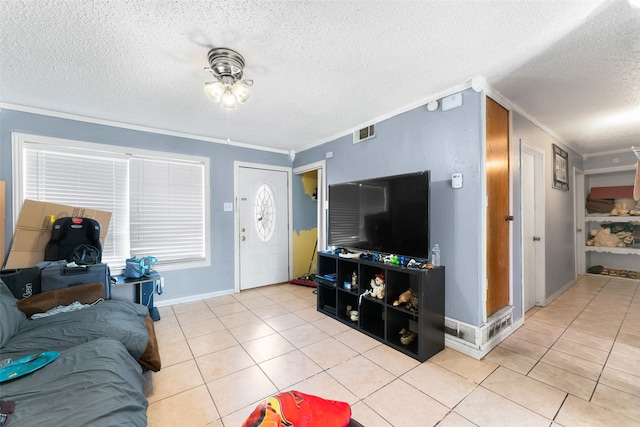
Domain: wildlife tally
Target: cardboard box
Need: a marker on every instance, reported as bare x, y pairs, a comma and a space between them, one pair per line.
33, 230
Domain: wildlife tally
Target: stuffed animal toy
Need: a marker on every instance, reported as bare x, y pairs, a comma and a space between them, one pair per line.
377, 286
406, 298
604, 238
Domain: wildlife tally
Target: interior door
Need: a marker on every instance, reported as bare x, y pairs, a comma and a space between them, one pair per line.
579, 218
263, 226
498, 215
532, 191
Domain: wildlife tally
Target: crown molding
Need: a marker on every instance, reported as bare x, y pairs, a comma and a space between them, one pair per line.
93, 120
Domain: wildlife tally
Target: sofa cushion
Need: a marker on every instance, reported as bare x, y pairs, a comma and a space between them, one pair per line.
124, 321
92, 384
118, 320
89, 293
10, 316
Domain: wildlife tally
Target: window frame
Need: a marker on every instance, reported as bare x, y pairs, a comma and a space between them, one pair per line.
20, 139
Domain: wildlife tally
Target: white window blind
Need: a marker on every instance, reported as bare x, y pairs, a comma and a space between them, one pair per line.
167, 209
158, 202
82, 178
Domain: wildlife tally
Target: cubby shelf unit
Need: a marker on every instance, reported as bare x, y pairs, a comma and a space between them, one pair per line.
379, 318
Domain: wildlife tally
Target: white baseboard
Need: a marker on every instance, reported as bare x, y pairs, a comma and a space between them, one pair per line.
191, 298
559, 292
482, 344
478, 349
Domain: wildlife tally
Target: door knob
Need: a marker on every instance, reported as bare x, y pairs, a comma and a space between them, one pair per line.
508, 217
579, 230
536, 239
242, 229
243, 238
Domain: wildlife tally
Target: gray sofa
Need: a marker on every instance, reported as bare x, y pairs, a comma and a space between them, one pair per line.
96, 380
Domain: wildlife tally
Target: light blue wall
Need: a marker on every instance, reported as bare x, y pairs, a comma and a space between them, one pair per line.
559, 224
612, 160
444, 143
178, 284
305, 209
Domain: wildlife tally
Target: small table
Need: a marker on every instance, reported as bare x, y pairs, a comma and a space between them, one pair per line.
145, 287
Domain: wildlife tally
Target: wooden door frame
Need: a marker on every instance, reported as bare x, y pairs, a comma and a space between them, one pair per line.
236, 215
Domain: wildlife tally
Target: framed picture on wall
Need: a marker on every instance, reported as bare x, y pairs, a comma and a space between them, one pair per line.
560, 169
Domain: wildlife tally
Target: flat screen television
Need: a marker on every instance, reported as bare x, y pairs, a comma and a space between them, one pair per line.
386, 215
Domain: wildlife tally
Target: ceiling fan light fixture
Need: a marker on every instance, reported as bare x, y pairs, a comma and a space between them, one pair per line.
241, 92
228, 101
214, 90
227, 67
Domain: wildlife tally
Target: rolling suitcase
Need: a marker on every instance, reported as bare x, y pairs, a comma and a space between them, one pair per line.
58, 275
22, 282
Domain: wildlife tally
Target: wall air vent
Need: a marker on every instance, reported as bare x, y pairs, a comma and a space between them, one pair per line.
497, 323
460, 330
364, 134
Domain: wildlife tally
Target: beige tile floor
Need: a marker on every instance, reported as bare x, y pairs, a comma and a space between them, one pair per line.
574, 362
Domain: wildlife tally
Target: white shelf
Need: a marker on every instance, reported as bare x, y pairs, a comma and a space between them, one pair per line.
622, 251
611, 169
608, 218
625, 258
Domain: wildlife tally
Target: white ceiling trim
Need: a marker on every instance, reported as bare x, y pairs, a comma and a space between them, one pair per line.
422, 102
93, 120
605, 153
497, 96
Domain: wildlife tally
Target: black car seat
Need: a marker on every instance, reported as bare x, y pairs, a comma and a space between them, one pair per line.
75, 239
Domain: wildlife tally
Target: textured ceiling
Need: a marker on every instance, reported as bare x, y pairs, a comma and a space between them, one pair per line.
324, 68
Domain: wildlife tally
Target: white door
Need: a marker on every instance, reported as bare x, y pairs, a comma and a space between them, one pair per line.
263, 227
532, 227
579, 215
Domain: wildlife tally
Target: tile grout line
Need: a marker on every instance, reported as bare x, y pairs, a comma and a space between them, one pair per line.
627, 311
590, 304
547, 351
557, 339
193, 357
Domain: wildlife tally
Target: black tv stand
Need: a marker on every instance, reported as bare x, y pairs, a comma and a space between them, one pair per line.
379, 318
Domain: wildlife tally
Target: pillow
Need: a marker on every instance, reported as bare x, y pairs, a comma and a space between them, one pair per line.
10, 316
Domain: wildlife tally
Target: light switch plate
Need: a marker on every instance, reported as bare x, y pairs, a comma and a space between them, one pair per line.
228, 207
456, 180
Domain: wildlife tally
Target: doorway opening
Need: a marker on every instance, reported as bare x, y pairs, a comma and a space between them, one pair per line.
308, 222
